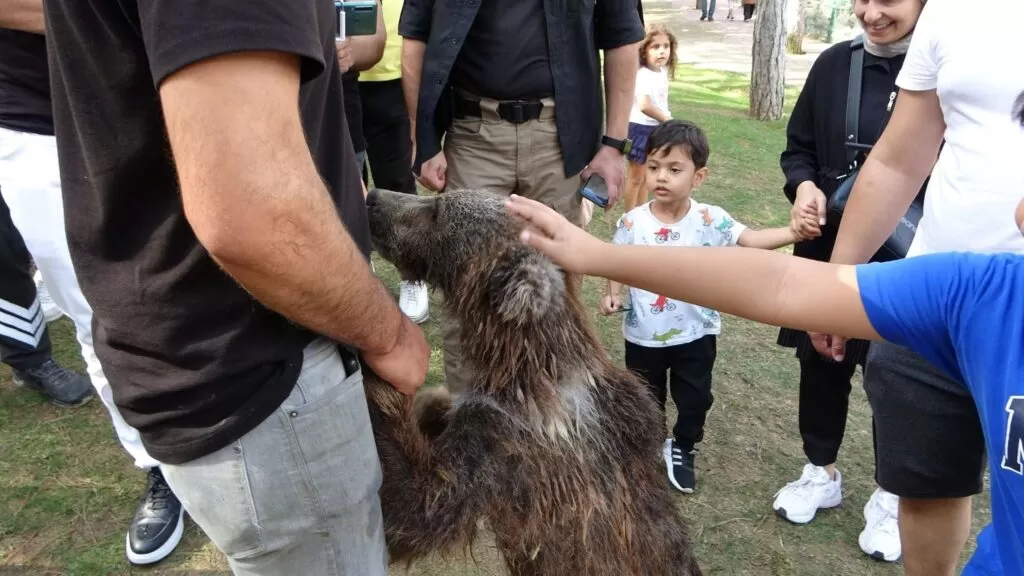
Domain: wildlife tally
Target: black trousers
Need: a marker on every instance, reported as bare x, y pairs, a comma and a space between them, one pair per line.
24, 340
685, 370
748, 11
388, 139
824, 401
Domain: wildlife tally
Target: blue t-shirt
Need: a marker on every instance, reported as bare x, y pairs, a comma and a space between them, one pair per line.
965, 314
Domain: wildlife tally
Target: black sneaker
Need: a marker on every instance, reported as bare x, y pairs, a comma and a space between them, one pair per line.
62, 386
158, 524
679, 464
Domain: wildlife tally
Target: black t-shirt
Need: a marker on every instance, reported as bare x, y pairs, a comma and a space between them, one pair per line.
193, 360
505, 55
353, 109
24, 83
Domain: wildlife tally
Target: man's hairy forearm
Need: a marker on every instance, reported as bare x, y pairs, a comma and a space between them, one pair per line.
412, 70
620, 66
761, 285
24, 15
297, 259
254, 198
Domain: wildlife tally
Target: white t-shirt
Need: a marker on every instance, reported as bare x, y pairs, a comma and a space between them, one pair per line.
655, 85
654, 320
973, 59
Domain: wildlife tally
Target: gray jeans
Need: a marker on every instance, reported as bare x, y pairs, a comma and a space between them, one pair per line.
298, 494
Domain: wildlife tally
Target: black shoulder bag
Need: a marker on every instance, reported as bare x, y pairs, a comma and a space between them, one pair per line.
896, 246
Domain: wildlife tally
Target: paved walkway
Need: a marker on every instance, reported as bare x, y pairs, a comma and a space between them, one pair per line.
722, 44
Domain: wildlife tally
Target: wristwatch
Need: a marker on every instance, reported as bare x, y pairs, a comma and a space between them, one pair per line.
624, 145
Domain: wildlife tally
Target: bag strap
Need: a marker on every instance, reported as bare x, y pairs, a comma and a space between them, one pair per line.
853, 98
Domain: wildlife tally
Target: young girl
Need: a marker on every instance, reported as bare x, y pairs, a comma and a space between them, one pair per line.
650, 105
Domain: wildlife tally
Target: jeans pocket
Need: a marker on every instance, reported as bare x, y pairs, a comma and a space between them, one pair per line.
321, 380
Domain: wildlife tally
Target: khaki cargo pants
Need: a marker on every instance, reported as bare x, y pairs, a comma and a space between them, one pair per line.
526, 159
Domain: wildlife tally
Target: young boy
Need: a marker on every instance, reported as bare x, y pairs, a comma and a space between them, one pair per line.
674, 337
964, 312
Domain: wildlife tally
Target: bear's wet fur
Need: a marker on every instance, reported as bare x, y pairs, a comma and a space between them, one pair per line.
555, 448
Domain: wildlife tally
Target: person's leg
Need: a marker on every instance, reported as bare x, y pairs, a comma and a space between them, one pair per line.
703, 9
540, 167
690, 376
711, 9
297, 494
386, 128
652, 368
24, 337
824, 400
30, 184
389, 156
929, 451
933, 533
636, 192
481, 156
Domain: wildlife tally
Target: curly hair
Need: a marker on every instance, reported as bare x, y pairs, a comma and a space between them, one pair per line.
652, 32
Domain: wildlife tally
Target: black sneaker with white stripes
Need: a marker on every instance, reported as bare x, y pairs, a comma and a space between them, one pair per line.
679, 464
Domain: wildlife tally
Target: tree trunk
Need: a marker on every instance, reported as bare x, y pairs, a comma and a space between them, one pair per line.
768, 73
795, 41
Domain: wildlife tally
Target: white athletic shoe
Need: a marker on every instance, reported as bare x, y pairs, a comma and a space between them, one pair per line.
799, 501
414, 301
50, 310
881, 536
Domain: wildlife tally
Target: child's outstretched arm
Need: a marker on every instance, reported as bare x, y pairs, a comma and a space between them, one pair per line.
772, 238
765, 286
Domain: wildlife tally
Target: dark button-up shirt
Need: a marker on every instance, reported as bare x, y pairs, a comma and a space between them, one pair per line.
576, 30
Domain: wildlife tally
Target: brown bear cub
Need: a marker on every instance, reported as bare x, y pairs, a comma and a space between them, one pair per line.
556, 448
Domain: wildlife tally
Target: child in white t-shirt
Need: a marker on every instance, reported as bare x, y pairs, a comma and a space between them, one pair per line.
650, 105
668, 336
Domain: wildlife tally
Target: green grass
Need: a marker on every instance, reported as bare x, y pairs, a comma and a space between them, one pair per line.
67, 490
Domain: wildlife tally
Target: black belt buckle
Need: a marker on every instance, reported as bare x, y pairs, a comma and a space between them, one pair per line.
519, 112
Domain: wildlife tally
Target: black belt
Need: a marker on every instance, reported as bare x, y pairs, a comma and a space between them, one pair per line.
516, 112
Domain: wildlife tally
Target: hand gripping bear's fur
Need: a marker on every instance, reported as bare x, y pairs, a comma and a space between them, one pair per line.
553, 446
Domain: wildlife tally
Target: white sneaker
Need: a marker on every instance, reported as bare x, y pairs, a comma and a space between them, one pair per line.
799, 501
414, 301
881, 536
50, 310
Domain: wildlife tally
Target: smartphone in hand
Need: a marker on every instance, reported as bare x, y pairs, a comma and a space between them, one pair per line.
595, 189
355, 18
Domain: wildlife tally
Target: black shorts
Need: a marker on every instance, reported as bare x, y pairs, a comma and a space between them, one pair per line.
928, 437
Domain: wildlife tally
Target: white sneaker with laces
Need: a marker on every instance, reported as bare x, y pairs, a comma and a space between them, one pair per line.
50, 310
881, 536
414, 301
799, 501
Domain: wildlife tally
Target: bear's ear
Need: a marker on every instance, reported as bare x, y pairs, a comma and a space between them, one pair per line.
526, 287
